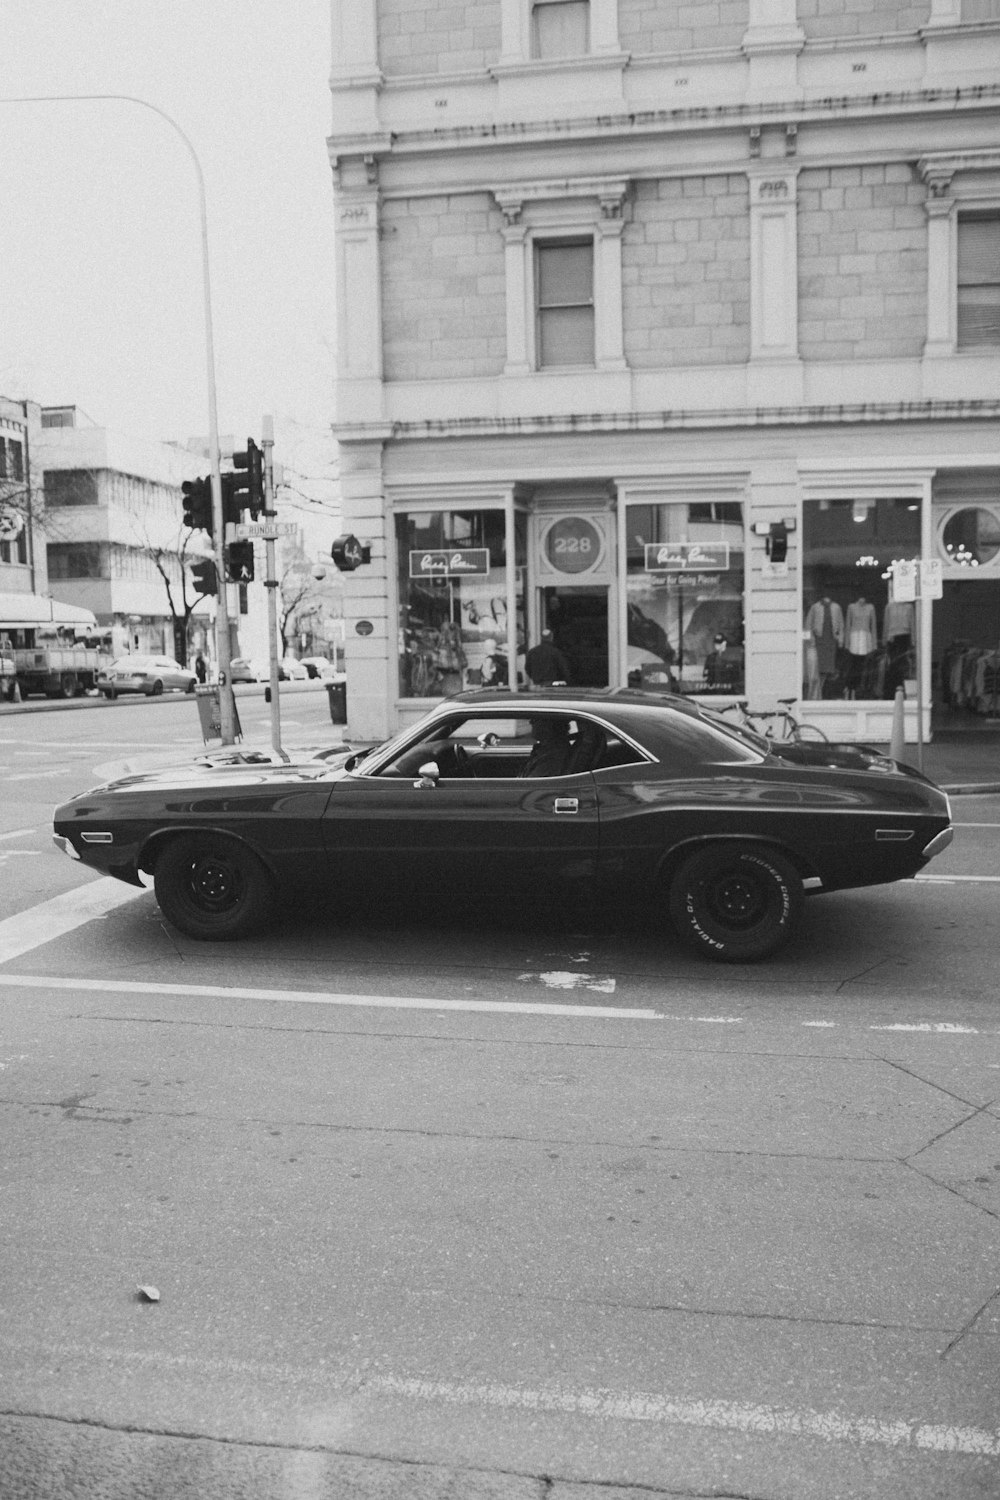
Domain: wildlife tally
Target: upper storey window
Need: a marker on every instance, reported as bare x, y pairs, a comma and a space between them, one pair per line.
560, 28
564, 284
978, 280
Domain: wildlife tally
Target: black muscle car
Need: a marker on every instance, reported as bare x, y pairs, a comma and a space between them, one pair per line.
614, 794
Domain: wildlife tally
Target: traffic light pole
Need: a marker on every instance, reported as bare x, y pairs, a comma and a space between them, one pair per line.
271, 583
227, 717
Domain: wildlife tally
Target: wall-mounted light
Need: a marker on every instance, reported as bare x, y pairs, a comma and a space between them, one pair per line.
860, 509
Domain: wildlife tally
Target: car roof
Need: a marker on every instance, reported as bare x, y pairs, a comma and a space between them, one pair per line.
564, 697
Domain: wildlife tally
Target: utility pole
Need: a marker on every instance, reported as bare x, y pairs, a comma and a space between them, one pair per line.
270, 580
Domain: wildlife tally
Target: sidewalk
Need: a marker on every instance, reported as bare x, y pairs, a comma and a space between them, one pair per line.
961, 763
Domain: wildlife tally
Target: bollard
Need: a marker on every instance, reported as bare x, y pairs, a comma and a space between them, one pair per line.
898, 739
15, 695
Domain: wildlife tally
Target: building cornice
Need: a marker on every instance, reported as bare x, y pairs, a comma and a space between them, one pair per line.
743, 114
863, 413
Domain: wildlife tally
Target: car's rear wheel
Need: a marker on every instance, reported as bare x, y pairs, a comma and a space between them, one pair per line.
213, 888
156, 689
736, 902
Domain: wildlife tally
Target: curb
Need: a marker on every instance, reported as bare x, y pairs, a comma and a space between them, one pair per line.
971, 788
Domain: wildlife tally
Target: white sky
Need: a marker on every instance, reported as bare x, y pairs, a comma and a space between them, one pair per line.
100, 250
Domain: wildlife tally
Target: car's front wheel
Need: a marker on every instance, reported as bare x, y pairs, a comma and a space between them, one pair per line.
736, 902
213, 888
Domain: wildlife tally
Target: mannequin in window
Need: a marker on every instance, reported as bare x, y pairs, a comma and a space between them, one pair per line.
862, 635
897, 637
825, 624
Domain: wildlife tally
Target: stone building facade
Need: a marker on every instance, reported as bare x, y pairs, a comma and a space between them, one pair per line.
674, 327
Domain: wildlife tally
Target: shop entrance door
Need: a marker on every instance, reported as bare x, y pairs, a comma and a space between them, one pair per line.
578, 619
966, 652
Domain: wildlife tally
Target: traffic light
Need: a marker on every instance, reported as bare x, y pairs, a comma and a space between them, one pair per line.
239, 562
232, 499
206, 578
248, 486
198, 504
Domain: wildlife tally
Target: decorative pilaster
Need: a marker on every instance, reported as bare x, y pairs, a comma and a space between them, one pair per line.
359, 281
942, 258
515, 235
609, 327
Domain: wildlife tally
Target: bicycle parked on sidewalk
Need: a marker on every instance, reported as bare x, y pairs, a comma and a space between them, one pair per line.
778, 724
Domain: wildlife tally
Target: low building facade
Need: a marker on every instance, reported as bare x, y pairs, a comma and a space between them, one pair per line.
674, 329
113, 530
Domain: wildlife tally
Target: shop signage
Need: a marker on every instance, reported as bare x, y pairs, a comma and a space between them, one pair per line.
451, 562
573, 545
364, 627
687, 557
914, 578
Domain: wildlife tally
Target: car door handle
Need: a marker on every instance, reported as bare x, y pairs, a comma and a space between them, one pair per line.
567, 804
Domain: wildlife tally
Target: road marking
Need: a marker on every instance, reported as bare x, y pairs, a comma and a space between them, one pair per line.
316, 997
977, 825
54, 918
17, 833
942, 1027
40, 775
729, 1416
562, 979
950, 879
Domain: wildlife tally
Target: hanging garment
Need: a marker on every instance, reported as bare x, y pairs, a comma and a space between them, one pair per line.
898, 620
861, 628
825, 621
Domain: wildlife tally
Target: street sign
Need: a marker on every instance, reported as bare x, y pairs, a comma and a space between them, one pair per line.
916, 578
932, 578
260, 531
903, 585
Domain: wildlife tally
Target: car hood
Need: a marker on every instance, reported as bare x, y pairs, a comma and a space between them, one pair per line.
200, 775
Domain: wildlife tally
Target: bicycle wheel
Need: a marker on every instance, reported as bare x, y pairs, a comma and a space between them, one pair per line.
808, 733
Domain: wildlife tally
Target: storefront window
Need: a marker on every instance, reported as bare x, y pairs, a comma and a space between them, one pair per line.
685, 586
452, 581
856, 643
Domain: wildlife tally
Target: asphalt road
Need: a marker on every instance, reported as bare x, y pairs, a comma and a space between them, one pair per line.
491, 1206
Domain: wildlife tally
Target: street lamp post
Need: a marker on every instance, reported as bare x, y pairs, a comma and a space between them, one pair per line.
227, 718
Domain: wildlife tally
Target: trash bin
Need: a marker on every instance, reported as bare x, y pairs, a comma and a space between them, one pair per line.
337, 694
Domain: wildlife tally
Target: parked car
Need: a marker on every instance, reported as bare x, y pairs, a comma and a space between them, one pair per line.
610, 794
242, 669
293, 670
319, 666
151, 675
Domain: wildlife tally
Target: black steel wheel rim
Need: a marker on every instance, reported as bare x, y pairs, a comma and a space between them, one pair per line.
215, 884
737, 900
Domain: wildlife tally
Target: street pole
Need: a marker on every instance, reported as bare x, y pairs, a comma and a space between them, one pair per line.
227, 717
271, 582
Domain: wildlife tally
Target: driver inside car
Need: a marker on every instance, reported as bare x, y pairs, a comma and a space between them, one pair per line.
551, 750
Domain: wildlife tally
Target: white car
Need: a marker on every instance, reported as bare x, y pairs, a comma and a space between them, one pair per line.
293, 669
319, 666
151, 675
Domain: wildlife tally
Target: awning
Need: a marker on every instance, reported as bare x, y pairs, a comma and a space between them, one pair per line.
22, 611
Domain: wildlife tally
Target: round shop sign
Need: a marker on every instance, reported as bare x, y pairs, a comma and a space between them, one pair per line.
573, 545
364, 627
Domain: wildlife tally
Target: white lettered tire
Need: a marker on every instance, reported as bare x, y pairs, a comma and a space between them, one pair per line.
736, 902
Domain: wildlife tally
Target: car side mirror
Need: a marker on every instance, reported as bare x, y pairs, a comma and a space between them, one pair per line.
429, 774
